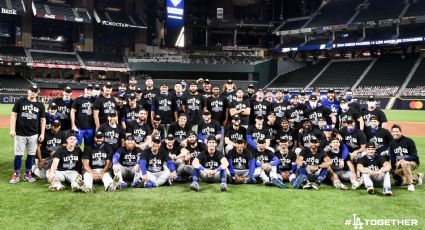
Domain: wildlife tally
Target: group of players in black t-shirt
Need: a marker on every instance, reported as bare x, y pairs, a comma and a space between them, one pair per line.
155, 137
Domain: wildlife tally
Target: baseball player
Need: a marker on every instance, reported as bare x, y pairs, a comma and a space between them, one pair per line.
164, 104
375, 170
66, 166
241, 164
114, 134
219, 106
380, 136
64, 105
104, 105
285, 131
404, 159
295, 112
188, 154
266, 165
210, 166
82, 121
259, 106
333, 104
132, 85
151, 163
286, 169
209, 127
124, 162
54, 139
241, 107
180, 130
97, 161
348, 112
130, 112
193, 105
279, 106
312, 164
232, 133
256, 132
140, 130
51, 115
373, 110
27, 121
339, 169
315, 110
149, 93
157, 128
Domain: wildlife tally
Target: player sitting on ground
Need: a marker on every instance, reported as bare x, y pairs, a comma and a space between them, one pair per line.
241, 164
312, 162
124, 161
339, 169
210, 166
188, 154
151, 164
66, 166
404, 158
287, 167
375, 170
97, 161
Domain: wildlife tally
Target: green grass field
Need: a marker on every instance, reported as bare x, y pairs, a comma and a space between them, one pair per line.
31, 206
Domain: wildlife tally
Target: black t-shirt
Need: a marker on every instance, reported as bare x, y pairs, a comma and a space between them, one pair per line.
84, 113
263, 157
98, 155
28, 117
350, 113
138, 130
373, 163
113, 136
240, 161
64, 110
175, 150
313, 159
178, 132
377, 113
286, 160
233, 134
179, 103
290, 134
165, 105
69, 160
355, 105
231, 97
195, 151
304, 138
127, 157
217, 107
335, 158
105, 106
209, 129
155, 162
256, 133
148, 95
353, 140
52, 142
315, 114
160, 128
272, 128
279, 109
210, 162
381, 137
403, 148
129, 114
259, 108
194, 105
296, 114
238, 105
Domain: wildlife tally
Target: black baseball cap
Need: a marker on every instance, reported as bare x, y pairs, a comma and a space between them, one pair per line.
191, 132
229, 81
314, 139
129, 138
370, 145
206, 113
211, 138
53, 105
331, 90
306, 120
97, 86
170, 137
56, 123
89, 86
67, 89
373, 117
343, 100
113, 114
321, 119
206, 81
251, 86
326, 128
371, 98
108, 85
132, 96
138, 90
259, 116
285, 91
157, 117
71, 135
283, 139
349, 120
302, 93
294, 96
34, 88
313, 98
99, 134
192, 83
156, 139
240, 140
236, 117
261, 141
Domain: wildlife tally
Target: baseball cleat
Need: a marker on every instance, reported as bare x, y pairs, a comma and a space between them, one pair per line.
355, 185
387, 192
315, 186
278, 183
56, 186
78, 184
28, 177
223, 187
300, 179
14, 178
114, 185
411, 188
86, 189
194, 186
136, 183
420, 178
309, 185
251, 180
123, 185
370, 190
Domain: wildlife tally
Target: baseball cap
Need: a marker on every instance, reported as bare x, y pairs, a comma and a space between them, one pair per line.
294, 96
129, 138
321, 119
206, 113
156, 139
89, 86
370, 145
34, 88
349, 120
132, 96
251, 86
71, 135
331, 90
285, 91
99, 134
302, 92
343, 100
112, 114
315, 89
211, 138
157, 117
314, 139
261, 141
373, 117
326, 128
170, 137
108, 85
67, 89
138, 90
192, 83
191, 133
236, 117
283, 139
97, 87
207, 81
313, 98
229, 81
148, 78
259, 116
53, 105
371, 98
56, 123
306, 120
240, 140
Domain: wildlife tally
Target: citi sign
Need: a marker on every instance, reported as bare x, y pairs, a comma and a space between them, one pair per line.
175, 9
7, 11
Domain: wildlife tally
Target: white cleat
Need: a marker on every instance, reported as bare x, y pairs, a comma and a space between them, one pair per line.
78, 184
420, 178
411, 188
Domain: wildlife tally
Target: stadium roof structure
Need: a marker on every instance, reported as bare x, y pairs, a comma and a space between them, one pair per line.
12, 7
119, 19
62, 12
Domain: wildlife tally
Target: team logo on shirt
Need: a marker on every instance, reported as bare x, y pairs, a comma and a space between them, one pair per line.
211, 164
30, 112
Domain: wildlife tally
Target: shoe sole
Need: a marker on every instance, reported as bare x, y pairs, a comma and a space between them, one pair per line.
194, 188
370, 191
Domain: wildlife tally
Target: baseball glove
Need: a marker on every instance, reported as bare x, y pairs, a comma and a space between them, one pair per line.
240, 180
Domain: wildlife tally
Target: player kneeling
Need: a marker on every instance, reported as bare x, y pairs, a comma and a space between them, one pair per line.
287, 158
124, 163
375, 170
151, 164
241, 164
97, 162
210, 166
313, 164
65, 166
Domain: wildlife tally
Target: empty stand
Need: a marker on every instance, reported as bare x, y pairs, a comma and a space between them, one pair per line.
380, 9
416, 8
13, 83
335, 12
341, 74
418, 79
55, 58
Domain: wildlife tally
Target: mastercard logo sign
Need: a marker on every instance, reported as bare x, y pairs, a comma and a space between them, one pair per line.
416, 105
